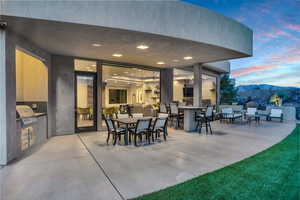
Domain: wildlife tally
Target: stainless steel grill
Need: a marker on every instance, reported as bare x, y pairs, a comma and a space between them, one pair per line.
28, 119
26, 115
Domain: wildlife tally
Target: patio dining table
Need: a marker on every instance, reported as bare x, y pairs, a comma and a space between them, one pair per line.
129, 121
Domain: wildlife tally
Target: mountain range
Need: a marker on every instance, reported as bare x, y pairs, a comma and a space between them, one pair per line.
262, 93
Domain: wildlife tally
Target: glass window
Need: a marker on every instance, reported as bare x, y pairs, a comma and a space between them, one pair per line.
137, 88
117, 96
209, 90
85, 65
183, 86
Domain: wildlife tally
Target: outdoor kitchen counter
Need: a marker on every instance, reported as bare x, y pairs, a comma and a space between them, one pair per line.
189, 116
40, 130
40, 114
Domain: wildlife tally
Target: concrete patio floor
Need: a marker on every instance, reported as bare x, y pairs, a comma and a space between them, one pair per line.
84, 167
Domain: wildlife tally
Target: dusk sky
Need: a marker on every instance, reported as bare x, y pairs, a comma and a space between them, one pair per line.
276, 39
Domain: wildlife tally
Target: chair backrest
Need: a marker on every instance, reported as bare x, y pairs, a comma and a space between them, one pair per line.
174, 108
227, 110
160, 123
110, 125
123, 109
276, 112
137, 115
163, 108
209, 111
165, 115
142, 125
251, 111
122, 116
182, 104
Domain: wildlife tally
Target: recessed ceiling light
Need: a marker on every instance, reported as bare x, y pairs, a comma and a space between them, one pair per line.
117, 55
97, 45
175, 60
160, 63
143, 47
188, 58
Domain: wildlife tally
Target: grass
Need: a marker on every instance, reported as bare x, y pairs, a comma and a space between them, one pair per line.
269, 175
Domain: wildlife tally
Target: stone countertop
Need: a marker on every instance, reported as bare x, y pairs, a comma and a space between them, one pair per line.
40, 114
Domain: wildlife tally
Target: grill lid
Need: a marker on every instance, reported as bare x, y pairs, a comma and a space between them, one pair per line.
24, 111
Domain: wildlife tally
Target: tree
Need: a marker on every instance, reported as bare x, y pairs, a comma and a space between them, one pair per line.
279, 97
228, 90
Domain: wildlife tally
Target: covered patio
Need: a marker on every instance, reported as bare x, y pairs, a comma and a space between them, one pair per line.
84, 166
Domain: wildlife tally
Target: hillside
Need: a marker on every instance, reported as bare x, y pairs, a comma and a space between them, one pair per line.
261, 94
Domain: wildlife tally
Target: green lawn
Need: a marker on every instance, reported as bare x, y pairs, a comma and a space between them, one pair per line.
272, 174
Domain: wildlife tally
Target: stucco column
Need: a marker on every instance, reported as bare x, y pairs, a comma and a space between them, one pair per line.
197, 101
166, 85
63, 76
3, 128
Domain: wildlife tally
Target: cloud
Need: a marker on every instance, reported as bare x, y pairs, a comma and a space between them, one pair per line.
266, 36
276, 60
240, 19
252, 69
293, 27
288, 56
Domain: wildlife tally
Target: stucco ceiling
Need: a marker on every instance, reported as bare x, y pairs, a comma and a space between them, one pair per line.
77, 40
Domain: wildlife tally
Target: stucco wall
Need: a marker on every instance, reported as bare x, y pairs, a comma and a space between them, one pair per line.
168, 18
3, 112
63, 73
13, 41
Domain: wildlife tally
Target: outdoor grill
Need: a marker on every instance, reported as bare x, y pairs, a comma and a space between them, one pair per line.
28, 119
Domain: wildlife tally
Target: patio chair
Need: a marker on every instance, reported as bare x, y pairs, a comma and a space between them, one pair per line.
137, 115
112, 130
251, 113
182, 103
175, 115
163, 108
160, 125
163, 115
275, 113
204, 119
121, 116
142, 128
228, 114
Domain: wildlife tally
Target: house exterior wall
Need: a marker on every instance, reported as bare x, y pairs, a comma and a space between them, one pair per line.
157, 17
3, 110
9, 130
63, 86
